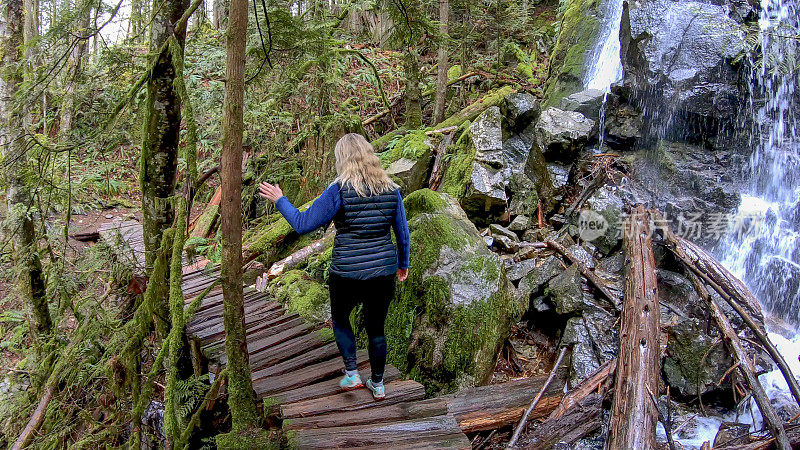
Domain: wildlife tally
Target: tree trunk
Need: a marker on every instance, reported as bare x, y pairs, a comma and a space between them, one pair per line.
441, 74
19, 227
74, 68
633, 414
161, 132
413, 92
241, 399
219, 17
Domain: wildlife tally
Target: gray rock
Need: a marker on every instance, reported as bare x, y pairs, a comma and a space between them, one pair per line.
489, 240
524, 196
729, 432
486, 193
593, 341
515, 150
410, 174
520, 109
499, 230
695, 361
566, 292
686, 49
559, 173
563, 134
581, 255
604, 205
505, 243
624, 124
486, 133
517, 270
535, 280
520, 223
586, 102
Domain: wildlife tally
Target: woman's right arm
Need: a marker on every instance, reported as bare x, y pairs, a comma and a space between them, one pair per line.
402, 234
320, 213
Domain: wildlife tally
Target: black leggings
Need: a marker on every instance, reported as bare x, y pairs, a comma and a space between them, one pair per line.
375, 294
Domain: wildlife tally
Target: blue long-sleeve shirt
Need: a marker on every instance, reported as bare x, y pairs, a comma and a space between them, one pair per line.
325, 207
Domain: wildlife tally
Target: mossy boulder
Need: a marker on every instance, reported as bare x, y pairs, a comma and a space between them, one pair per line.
580, 28
453, 313
695, 360
302, 295
408, 160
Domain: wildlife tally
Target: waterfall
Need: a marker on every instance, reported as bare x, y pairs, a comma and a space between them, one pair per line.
606, 66
764, 247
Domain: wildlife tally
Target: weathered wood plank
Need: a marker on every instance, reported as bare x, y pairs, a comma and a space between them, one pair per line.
327, 351
420, 433
302, 377
326, 388
396, 392
286, 350
384, 413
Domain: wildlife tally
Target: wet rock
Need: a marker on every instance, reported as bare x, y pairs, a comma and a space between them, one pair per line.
586, 102
594, 341
485, 194
605, 210
561, 135
449, 319
582, 255
535, 280
520, 223
517, 270
730, 432
537, 172
566, 291
695, 361
624, 125
519, 110
487, 137
559, 173
515, 150
687, 50
505, 243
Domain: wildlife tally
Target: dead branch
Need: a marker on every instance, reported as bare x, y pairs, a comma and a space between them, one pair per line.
731, 290
300, 256
771, 419
35, 421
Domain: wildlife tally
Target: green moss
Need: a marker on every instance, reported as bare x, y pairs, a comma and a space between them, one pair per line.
423, 201
251, 438
579, 31
271, 236
459, 170
454, 72
472, 111
302, 295
326, 334
413, 145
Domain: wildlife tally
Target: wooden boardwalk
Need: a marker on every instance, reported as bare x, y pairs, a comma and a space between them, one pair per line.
296, 367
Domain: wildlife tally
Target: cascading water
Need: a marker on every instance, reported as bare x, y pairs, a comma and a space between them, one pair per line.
606, 65
767, 256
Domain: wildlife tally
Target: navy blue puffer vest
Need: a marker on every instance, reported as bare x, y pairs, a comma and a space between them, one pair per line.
363, 246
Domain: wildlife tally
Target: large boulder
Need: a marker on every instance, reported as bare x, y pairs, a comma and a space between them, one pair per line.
519, 110
302, 295
561, 135
409, 160
588, 103
485, 195
601, 221
680, 63
450, 318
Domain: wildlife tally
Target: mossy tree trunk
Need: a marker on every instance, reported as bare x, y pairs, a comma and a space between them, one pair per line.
241, 399
19, 224
74, 70
441, 74
160, 137
219, 17
413, 92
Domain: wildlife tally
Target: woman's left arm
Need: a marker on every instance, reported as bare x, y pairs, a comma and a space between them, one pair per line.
318, 214
402, 234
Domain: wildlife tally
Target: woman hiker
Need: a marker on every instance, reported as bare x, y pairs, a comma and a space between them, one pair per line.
364, 204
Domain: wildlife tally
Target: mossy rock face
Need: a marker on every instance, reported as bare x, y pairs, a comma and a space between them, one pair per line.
254, 438
302, 295
449, 319
580, 28
695, 361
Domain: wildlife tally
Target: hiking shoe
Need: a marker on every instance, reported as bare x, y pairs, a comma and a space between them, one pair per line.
350, 382
378, 390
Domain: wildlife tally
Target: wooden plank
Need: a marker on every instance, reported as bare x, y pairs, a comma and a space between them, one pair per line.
302, 377
326, 388
497, 405
262, 344
262, 319
396, 392
384, 413
578, 421
286, 350
419, 433
323, 353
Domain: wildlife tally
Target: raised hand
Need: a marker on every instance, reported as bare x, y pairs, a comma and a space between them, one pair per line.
270, 192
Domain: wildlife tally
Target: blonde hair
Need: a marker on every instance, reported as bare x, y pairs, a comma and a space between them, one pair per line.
358, 166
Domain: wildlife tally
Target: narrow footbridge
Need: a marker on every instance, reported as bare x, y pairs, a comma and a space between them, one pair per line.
296, 366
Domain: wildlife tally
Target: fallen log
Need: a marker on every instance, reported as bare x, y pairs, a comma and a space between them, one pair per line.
203, 224
633, 415
745, 364
436, 172
300, 256
472, 111
764, 443
536, 399
679, 247
588, 274
36, 419
498, 405
579, 412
